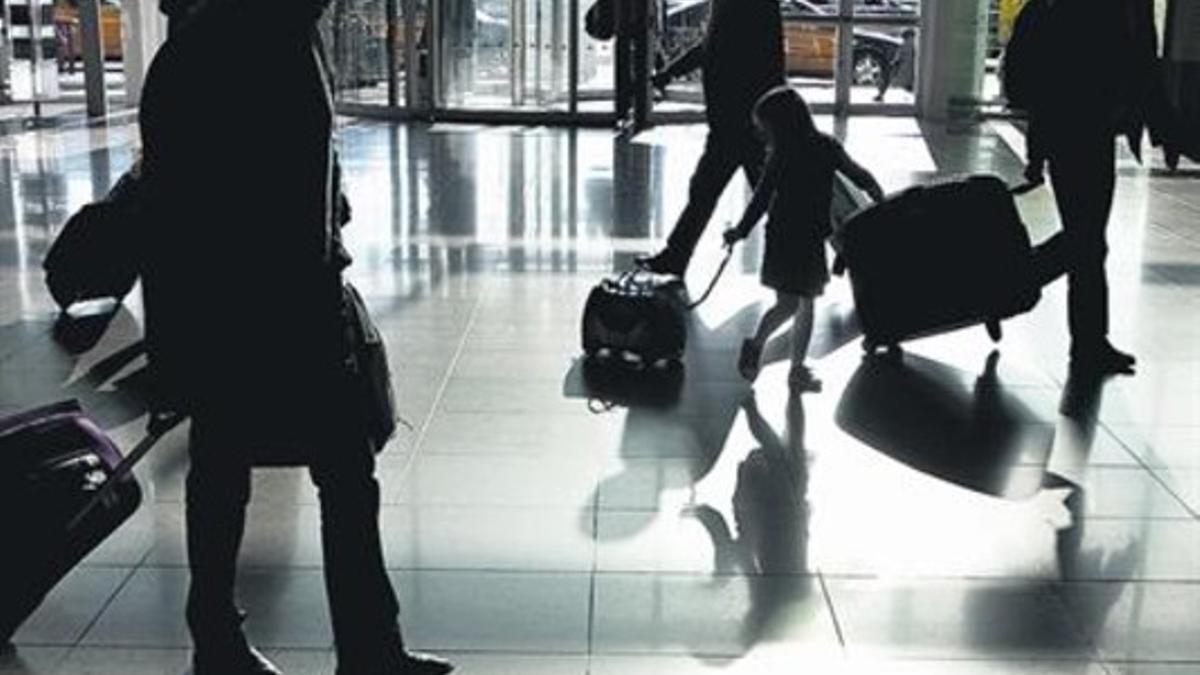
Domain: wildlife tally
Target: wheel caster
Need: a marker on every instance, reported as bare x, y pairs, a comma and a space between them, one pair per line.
993, 330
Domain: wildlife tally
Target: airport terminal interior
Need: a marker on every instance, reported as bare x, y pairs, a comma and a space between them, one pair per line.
966, 506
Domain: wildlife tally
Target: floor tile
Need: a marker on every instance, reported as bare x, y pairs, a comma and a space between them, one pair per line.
995, 620
543, 613
710, 616
71, 607
1136, 621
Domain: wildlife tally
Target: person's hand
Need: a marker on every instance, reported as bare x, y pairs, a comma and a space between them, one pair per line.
1035, 174
733, 235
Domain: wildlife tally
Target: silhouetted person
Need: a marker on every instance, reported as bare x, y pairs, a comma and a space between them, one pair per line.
796, 187
741, 57
1089, 97
242, 289
902, 69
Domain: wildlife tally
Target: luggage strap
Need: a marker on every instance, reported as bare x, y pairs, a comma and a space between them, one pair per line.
716, 277
156, 428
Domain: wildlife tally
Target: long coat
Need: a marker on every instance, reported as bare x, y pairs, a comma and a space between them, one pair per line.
241, 278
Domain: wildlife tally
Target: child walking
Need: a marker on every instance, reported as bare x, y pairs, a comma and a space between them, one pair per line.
796, 188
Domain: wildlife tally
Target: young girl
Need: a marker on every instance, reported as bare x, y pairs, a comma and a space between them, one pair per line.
797, 186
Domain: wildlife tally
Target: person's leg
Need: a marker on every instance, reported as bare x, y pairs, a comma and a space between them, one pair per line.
218, 490
800, 376
712, 174
1084, 178
751, 354
362, 602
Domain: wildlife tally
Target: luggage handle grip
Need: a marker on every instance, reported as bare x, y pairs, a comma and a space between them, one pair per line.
157, 427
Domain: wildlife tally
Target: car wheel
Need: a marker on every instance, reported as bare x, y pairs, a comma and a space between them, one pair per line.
868, 69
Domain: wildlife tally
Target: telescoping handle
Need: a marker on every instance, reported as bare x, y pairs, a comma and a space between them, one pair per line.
156, 428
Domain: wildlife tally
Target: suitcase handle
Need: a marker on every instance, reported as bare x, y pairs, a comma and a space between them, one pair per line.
157, 427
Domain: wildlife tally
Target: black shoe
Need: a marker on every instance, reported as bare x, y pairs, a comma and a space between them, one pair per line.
663, 262
417, 663
1103, 360
410, 663
243, 661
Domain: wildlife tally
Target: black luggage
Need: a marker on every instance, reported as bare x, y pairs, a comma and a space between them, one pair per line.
636, 316
94, 256
938, 257
64, 489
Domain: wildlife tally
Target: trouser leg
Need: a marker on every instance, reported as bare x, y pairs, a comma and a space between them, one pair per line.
218, 490
362, 602
1084, 179
716, 166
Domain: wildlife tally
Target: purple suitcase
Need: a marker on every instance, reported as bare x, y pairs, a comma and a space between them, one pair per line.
64, 489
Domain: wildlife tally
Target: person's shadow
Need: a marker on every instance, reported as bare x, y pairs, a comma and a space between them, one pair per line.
924, 414
681, 414
769, 546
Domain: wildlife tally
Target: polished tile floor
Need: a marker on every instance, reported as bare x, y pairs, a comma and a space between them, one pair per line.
963, 510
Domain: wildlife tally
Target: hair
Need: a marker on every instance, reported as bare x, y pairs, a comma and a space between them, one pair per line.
783, 113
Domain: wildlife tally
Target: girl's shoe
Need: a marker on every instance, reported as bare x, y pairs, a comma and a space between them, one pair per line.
748, 360
801, 378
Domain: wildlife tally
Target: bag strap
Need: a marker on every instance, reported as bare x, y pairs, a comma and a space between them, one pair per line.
156, 428
716, 277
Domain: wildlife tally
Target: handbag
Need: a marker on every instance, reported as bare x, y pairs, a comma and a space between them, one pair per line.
372, 399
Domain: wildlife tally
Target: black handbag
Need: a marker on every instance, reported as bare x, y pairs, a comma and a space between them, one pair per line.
372, 399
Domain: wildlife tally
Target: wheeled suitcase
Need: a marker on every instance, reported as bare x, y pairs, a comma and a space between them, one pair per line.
637, 316
938, 257
64, 489
94, 255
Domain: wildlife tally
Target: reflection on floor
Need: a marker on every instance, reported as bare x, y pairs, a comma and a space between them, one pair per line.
957, 511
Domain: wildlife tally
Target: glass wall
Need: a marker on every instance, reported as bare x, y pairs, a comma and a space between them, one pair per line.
41, 55
534, 56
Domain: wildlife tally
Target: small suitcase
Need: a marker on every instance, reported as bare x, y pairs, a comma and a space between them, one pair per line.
938, 257
93, 256
636, 316
64, 490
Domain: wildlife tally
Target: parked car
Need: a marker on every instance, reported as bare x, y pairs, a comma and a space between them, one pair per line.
810, 47
70, 34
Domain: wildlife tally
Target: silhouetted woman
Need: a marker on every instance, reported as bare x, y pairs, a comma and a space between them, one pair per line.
242, 290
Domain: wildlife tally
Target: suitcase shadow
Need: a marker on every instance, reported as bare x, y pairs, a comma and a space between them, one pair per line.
41, 360
926, 415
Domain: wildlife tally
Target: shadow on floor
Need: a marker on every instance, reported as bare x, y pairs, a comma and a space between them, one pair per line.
922, 413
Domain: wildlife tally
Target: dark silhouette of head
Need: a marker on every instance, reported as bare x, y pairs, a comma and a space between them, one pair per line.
784, 116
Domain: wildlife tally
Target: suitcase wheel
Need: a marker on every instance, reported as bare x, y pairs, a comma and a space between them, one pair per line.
993, 330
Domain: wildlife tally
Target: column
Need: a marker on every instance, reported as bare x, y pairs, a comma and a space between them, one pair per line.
143, 29
951, 53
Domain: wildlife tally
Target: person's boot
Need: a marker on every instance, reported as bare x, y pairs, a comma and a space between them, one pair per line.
663, 262
1102, 359
220, 646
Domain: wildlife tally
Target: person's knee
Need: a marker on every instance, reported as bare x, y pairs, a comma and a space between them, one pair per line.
786, 302
346, 481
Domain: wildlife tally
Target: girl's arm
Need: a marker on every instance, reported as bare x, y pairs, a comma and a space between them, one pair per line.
858, 174
763, 192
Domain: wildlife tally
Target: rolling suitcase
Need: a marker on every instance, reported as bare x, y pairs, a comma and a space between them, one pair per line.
938, 257
64, 490
637, 316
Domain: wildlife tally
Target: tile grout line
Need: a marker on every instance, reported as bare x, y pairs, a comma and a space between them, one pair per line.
837, 624
594, 576
419, 442
1187, 508
107, 604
